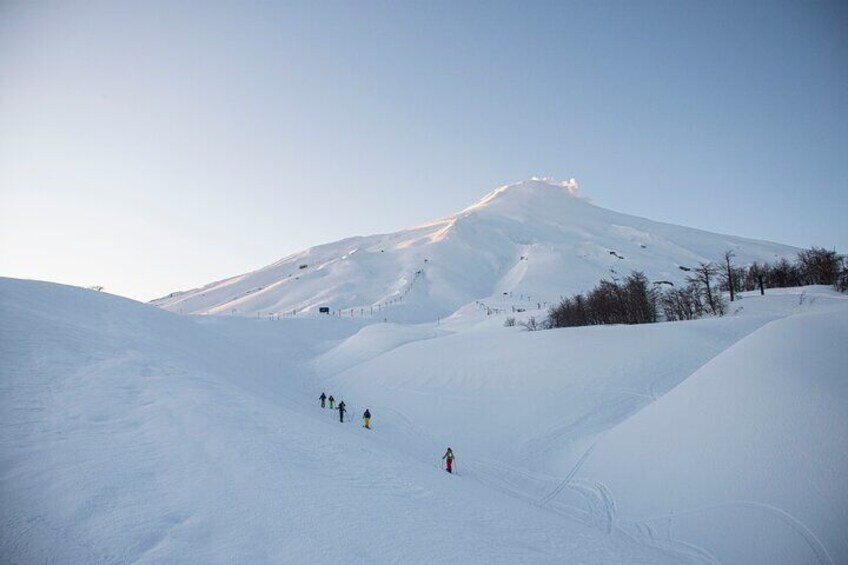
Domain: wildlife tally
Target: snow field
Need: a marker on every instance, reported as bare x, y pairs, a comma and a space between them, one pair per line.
762, 430
745, 469
134, 435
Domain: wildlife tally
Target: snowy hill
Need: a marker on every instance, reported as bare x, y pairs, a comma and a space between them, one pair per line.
722, 439
762, 430
523, 245
132, 434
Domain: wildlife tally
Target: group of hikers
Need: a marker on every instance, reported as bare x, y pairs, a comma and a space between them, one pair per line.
342, 408
448, 457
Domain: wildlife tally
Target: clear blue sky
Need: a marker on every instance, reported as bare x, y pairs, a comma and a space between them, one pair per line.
155, 146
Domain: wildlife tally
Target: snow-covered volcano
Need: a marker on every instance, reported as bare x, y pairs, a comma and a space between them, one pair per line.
527, 243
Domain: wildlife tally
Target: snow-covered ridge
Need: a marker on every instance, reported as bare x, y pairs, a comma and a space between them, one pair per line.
532, 242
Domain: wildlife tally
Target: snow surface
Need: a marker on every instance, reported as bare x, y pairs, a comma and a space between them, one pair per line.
130, 434
762, 430
523, 245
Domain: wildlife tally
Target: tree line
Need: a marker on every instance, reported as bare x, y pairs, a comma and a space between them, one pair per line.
709, 286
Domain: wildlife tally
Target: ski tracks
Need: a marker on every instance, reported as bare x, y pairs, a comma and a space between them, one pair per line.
816, 546
564, 483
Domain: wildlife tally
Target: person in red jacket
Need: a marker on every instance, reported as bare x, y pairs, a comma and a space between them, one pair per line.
448, 457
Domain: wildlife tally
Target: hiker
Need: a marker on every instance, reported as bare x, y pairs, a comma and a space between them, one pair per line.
448, 457
342, 410
367, 418
323, 397
332, 401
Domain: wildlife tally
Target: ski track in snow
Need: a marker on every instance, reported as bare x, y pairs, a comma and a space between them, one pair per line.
816, 546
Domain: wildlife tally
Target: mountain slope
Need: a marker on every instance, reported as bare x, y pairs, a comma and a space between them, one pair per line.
128, 434
722, 439
523, 245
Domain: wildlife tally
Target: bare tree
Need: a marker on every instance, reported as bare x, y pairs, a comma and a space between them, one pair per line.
703, 278
682, 303
818, 266
782, 274
755, 277
842, 281
729, 274
632, 301
641, 299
